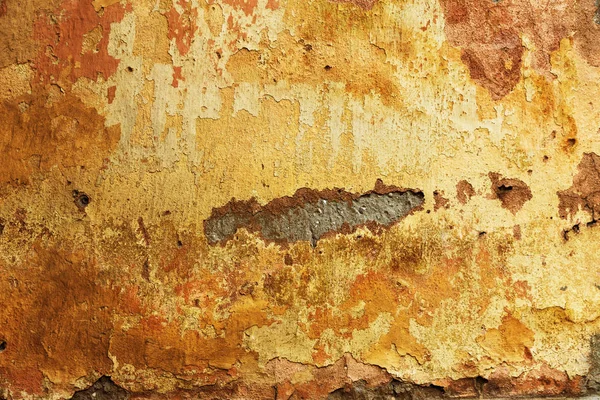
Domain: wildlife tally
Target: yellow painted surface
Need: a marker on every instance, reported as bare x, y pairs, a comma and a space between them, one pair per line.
225, 99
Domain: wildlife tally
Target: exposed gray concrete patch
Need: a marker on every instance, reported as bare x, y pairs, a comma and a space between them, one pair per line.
309, 215
313, 221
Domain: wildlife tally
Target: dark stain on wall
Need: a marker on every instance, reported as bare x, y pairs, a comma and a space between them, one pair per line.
393, 390
103, 389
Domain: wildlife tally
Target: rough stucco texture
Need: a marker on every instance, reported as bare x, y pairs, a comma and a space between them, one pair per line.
292, 199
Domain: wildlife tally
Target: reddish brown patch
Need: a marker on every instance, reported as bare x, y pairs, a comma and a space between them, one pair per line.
490, 41
585, 18
522, 289
3, 8
464, 191
325, 380
110, 94
489, 34
497, 70
517, 232
466, 387
38, 134
272, 4
61, 36
182, 27
440, 200
248, 6
177, 76
584, 194
542, 382
513, 193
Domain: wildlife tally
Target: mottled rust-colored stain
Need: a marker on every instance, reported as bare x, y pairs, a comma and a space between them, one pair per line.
247, 6
489, 34
464, 191
47, 130
66, 283
513, 193
73, 42
182, 27
440, 200
584, 194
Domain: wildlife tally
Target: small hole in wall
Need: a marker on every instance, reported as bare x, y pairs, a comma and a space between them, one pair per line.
129, 69
571, 142
179, 243
505, 188
546, 158
328, 67
3, 345
82, 200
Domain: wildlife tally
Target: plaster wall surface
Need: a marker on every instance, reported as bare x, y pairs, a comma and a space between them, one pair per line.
299, 199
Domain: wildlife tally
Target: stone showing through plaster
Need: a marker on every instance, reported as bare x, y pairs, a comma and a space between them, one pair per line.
103, 389
392, 391
313, 220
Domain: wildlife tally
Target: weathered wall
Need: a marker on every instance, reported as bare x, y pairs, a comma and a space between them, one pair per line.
299, 199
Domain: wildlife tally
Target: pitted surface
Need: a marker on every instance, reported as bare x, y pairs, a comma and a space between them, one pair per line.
311, 221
